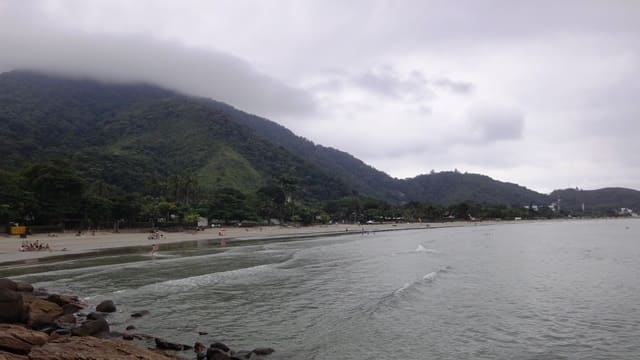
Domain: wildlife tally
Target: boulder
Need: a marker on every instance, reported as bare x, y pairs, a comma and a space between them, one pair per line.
72, 308
10, 356
66, 319
17, 339
24, 287
141, 313
106, 306
8, 284
43, 312
263, 351
216, 354
62, 300
82, 348
166, 345
92, 328
130, 327
11, 306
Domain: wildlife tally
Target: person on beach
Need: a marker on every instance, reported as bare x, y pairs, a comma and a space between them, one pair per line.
154, 249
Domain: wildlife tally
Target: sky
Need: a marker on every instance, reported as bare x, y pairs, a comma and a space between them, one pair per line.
540, 93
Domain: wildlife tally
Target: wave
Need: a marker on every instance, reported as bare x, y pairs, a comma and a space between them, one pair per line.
420, 249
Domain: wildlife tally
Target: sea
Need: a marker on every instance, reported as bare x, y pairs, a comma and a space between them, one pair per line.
525, 290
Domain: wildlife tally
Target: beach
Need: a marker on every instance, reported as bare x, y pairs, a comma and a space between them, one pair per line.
69, 243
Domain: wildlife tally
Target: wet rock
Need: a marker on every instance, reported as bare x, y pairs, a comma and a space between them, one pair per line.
41, 292
106, 306
130, 327
127, 337
72, 308
97, 327
81, 348
263, 351
217, 354
62, 300
166, 345
43, 312
139, 314
11, 307
8, 284
95, 316
220, 346
24, 287
203, 333
66, 319
18, 339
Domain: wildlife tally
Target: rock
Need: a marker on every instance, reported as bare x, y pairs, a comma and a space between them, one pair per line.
166, 345
43, 312
263, 351
203, 333
72, 308
92, 328
220, 346
63, 300
82, 348
24, 287
106, 306
41, 292
95, 316
127, 337
130, 327
17, 339
216, 354
11, 306
10, 356
8, 284
66, 319
138, 314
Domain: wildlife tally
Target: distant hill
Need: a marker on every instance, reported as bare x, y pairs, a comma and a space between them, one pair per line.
454, 187
131, 135
597, 200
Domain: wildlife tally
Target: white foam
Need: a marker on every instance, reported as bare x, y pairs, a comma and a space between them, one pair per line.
430, 276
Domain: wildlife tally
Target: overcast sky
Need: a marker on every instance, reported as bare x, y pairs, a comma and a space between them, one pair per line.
542, 93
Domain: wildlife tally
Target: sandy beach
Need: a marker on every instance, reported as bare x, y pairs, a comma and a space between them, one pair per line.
69, 243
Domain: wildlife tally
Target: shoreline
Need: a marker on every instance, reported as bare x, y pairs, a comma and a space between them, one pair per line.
68, 245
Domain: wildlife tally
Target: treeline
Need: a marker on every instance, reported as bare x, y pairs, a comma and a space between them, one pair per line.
54, 194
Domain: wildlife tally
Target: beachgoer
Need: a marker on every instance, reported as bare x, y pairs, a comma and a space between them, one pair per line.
154, 249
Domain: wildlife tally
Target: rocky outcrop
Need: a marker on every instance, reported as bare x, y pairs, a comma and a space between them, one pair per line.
139, 314
11, 306
63, 300
106, 306
42, 312
82, 348
24, 287
167, 345
19, 340
10, 356
96, 327
8, 284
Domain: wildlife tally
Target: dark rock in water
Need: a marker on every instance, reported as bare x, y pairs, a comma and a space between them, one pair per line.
95, 316
11, 307
63, 332
8, 284
71, 308
19, 340
166, 345
92, 328
130, 327
203, 333
127, 337
216, 354
220, 346
138, 314
24, 287
263, 351
106, 306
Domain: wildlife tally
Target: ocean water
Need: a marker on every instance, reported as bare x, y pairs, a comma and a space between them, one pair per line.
543, 290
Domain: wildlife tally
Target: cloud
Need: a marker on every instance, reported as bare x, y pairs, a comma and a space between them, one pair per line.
493, 123
129, 58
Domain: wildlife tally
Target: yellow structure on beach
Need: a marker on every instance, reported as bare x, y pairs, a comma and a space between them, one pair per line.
18, 230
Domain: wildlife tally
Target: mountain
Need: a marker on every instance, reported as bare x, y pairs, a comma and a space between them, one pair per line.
133, 135
598, 201
452, 187
130, 135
